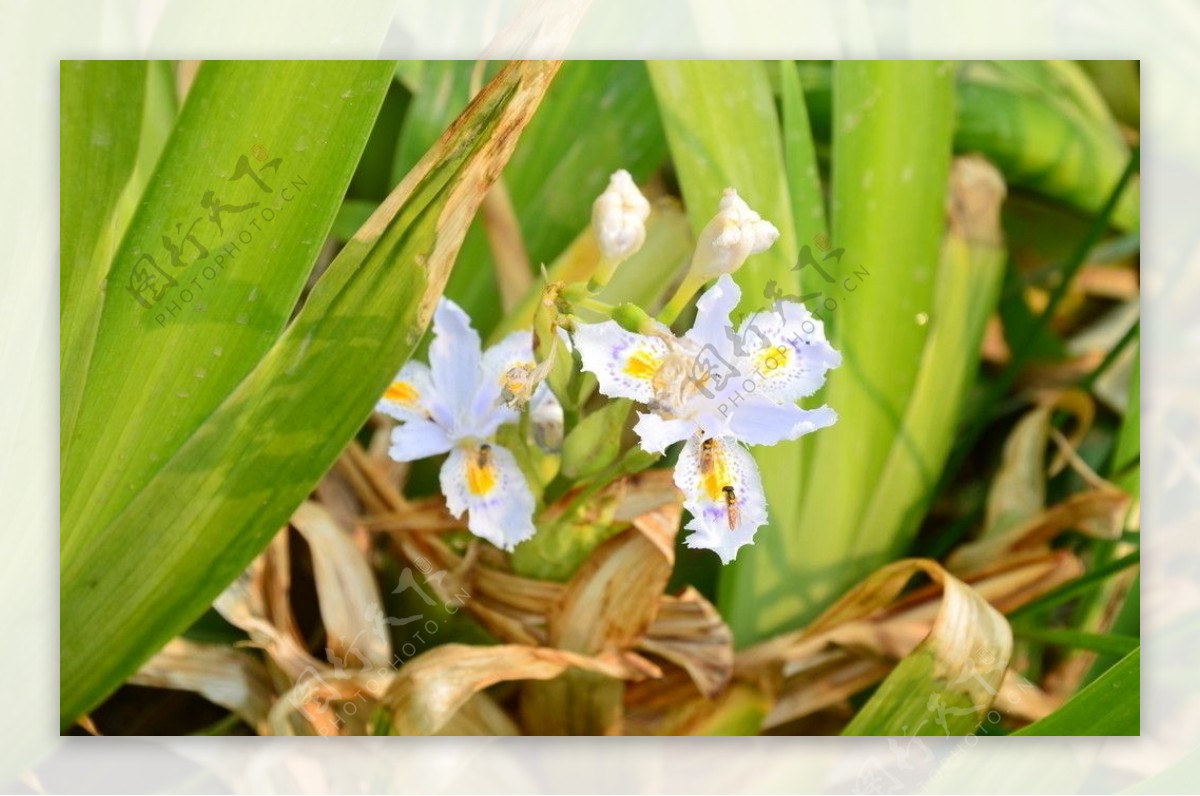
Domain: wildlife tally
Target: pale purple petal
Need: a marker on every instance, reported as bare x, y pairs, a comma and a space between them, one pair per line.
410, 395
454, 357
418, 439
713, 326
760, 421
785, 348
657, 433
723, 491
625, 363
486, 483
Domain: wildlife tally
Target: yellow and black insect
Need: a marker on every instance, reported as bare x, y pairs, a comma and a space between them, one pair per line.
731, 507
708, 457
484, 456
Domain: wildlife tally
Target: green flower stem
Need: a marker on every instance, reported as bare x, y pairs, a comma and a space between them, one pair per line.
687, 290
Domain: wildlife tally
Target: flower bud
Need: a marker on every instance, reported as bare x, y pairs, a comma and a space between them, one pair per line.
735, 233
619, 217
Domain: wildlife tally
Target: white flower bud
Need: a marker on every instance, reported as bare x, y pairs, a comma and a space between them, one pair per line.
619, 217
735, 233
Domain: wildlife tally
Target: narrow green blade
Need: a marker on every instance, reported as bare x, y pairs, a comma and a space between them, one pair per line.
211, 266
891, 155
140, 576
113, 118
723, 131
1110, 705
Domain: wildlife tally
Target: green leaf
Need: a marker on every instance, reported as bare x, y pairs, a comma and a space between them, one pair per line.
1043, 140
803, 176
151, 567
890, 169
160, 367
1112, 644
110, 136
891, 155
723, 131
1040, 140
966, 290
1110, 705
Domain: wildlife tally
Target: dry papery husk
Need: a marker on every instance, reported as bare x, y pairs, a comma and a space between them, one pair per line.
1020, 525
611, 621
805, 676
630, 658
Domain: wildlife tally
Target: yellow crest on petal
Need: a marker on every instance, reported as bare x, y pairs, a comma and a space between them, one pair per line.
642, 365
714, 469
402, 392
773, 359
481, 472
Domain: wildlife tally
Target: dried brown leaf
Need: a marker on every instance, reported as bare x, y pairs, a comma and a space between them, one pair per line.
1018, 492
1099, 513
430, 688
242, 604
689, 632
346, 592
224, 676
851, 643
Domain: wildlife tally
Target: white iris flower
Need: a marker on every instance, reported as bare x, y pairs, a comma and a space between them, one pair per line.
718, 389
455, 404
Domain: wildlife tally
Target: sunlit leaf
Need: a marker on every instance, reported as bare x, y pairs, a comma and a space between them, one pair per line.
239, 470
1109, 706
723, 129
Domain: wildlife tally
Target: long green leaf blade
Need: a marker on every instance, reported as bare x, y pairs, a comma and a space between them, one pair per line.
99, 141
228, 230
723, 131
968, 283
891, 157
219, 498
1110, 705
